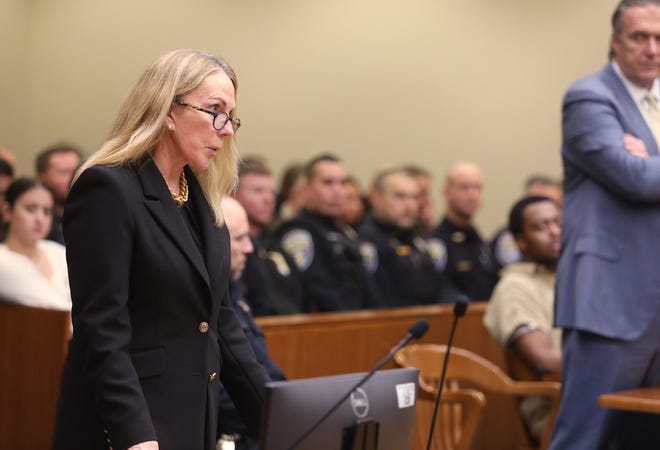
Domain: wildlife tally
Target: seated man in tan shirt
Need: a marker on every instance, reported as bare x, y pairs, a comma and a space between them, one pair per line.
519, 314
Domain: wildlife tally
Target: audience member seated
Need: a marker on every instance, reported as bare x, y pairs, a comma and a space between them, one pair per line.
325, 251
271, 281
456, 244
290, 197
232, 431
6, 178
400, 267
55, 167
33, 271
353, 208
503, 246
519, 315
426, 220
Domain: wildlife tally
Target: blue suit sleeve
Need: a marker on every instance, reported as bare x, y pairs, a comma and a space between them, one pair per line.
593, 130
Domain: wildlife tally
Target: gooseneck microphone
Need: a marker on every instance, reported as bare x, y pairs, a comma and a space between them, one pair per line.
416, 331
460, 307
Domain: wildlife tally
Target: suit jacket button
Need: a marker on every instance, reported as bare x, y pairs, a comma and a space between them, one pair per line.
203, 327
213, 376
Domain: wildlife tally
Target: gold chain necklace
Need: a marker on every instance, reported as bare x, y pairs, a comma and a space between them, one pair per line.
183, 191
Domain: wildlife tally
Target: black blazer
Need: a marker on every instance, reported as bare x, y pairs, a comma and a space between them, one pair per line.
152, 330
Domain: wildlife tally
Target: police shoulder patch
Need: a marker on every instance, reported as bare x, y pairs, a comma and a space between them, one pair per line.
369, 256
506, 249
299, 244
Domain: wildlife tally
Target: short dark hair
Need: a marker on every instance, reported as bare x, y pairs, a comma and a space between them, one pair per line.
43, 158
6, 168
289, 179
253, 164
380, 179
311, 165
517, 213
20, 186
623, 6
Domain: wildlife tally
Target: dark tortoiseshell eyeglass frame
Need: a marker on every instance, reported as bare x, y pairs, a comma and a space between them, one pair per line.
222, 122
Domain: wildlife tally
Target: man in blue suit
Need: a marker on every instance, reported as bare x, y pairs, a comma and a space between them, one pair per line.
608, 281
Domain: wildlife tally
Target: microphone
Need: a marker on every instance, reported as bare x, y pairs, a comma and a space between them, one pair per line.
416, 331
460, 308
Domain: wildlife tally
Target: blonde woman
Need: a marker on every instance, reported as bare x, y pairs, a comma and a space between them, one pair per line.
149, 261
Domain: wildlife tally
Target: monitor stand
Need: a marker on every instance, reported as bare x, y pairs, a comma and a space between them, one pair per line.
362, 435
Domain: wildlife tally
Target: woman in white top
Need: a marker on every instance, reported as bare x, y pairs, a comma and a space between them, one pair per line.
32, 270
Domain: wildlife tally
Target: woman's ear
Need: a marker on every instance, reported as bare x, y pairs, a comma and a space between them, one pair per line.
169, 122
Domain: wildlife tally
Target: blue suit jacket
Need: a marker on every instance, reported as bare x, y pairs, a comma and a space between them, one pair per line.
608, 279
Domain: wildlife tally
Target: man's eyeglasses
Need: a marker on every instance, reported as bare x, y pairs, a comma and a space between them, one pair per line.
220, 119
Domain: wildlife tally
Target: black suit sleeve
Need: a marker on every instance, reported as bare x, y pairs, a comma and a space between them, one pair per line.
99, 231
241, 374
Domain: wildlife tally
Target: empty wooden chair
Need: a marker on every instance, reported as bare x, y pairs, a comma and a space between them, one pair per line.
467, 369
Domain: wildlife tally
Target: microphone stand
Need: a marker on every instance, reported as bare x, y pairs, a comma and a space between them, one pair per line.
416, 331
459, 311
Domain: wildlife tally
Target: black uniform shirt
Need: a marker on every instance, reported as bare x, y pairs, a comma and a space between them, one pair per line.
399, 265
469, 263
328, 260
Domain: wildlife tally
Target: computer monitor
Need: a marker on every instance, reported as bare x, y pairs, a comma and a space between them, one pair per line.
387, 398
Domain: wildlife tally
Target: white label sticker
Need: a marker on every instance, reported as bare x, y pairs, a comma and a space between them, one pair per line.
405, 395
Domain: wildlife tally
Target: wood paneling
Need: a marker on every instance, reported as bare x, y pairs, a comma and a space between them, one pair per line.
313, 345
32, 351
33, 348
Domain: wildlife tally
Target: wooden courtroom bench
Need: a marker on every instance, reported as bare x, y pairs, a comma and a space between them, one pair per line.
311, 345
33, 348
33, 345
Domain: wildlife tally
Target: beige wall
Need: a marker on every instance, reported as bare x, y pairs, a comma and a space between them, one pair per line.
375, 81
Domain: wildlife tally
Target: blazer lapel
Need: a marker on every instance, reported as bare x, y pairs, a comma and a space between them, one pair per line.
630, 110
214, 239
159, 203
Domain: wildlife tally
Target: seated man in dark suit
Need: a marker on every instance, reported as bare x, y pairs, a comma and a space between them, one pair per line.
231, 429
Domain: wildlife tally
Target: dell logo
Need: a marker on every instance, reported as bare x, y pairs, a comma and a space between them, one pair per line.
360, 403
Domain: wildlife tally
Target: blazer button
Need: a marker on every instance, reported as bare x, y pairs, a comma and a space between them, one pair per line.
213, 376
203, 327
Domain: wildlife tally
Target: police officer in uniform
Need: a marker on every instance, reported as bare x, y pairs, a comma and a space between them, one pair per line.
398, 261
270, 280
325, 252
470, 265
232, 431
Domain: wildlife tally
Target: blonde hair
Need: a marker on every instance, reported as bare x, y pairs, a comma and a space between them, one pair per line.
140, 124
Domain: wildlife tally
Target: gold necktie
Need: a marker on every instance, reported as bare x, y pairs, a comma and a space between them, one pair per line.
653, 115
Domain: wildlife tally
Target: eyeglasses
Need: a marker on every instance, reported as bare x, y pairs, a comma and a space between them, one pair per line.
220, 119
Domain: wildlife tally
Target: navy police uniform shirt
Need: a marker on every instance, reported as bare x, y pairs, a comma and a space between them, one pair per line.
468, 262
327, 257
272, 282
400, 266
